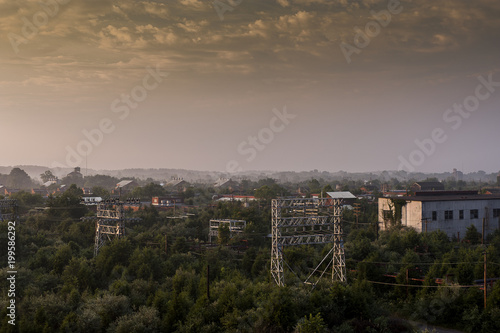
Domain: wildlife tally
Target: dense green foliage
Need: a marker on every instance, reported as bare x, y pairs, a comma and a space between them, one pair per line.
134, 285
17, 178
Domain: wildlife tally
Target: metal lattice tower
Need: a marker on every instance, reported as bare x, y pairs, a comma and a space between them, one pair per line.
302, 221
235, 227
109, 224
8, 210
339, 270
276, 246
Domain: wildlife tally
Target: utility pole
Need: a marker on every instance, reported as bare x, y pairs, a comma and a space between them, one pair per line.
482, 233
484, 280
425, 221
166, 243
357, 212
208, 282
407, 282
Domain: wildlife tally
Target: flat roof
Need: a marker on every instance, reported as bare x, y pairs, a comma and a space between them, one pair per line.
449, 197
341, 195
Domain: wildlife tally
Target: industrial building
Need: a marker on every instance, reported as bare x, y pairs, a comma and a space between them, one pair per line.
450, 211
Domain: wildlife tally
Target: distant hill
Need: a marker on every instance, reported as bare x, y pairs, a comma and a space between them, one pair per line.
196, 176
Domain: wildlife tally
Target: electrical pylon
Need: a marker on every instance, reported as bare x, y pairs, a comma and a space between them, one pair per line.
300, 221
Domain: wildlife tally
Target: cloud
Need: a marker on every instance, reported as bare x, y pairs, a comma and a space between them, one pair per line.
196, 4
311, 2
284, 3
256, 37
192, 26
155, 9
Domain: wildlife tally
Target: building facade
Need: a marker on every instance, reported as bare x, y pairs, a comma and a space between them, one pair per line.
169, 201
451, 212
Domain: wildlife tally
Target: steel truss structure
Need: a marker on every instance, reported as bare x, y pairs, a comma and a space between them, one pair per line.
300, 221
235, 227
8, 210
110, 223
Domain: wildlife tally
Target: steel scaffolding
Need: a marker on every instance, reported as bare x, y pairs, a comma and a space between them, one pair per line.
109, 223
300, 221
8, 210
234, 226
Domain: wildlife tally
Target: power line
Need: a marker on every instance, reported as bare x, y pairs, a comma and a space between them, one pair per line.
417, 286
62, 207
368, 223
419, 263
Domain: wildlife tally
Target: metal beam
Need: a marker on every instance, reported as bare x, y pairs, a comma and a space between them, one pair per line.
8, 210
110, 224
304, 221
301, 221
306, 239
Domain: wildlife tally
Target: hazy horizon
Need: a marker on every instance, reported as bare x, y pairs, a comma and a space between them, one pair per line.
35, 170
285, 85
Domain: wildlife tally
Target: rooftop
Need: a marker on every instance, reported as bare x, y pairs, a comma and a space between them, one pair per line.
448, 196
124, 183
341, 195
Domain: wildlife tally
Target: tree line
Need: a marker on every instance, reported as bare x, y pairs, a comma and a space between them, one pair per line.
140, 284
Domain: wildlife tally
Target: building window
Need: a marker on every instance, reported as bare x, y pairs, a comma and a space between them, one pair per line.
448, 215
461, 214
387, 214
434, 215
496, 212
474, 214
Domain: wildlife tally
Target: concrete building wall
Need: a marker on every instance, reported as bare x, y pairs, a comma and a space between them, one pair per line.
384, 204
415, 213
457, 226
411, 215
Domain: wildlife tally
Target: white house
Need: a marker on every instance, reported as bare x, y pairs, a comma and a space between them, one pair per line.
450, 211
91, 200
241, 198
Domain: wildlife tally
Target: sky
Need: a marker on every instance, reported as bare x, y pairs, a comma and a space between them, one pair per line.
235, 85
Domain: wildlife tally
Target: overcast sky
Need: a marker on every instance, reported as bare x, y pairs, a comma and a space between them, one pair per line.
251, 84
